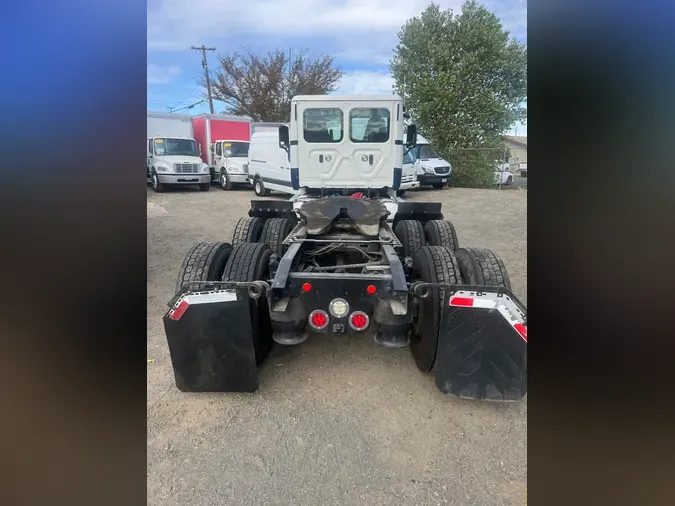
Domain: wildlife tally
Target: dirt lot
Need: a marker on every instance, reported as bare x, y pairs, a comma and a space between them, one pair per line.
335, 421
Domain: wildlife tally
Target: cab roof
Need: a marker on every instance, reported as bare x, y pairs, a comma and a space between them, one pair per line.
345, 98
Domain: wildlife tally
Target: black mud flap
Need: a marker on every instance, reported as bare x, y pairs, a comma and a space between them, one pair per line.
482, 346
209, 336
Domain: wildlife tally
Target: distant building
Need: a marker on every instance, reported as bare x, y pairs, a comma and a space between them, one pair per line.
517, 146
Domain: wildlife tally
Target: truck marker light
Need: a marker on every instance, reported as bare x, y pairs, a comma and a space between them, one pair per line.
180, 309
371, 289
306, 287
358, 320
318, 319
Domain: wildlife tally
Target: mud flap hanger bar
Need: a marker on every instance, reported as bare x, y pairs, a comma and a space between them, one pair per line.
421, 289
255, 288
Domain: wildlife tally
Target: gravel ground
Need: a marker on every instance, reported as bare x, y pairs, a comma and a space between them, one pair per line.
335, 421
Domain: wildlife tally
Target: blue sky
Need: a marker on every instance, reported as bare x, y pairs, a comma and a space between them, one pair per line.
360, 33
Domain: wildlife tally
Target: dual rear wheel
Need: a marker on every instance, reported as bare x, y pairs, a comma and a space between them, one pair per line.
438, 259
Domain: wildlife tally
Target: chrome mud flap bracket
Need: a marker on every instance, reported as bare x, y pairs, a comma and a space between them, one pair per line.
482, 345
209, 333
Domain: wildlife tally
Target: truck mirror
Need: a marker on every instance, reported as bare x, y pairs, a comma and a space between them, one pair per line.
411, 136
283, 137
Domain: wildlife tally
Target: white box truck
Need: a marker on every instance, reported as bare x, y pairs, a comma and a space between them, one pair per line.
173, 157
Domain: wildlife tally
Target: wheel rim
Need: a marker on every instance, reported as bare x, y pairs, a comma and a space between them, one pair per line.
258, 188
155, 182
223, 180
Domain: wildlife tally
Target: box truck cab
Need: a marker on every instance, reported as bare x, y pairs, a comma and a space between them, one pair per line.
214, 132
173, 156
229, 162
268, 165
430, 168
346, 142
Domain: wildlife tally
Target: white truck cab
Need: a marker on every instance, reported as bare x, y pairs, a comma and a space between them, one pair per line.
429, 167
346, 142
176, 161
230, 159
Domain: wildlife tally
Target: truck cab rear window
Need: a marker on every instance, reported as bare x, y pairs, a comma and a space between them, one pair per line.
323, 125
369, 124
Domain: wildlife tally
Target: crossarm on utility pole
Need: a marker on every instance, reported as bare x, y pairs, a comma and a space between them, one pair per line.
205, 64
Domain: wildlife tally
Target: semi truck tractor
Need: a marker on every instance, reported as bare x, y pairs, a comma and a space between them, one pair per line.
173, 157
345, 258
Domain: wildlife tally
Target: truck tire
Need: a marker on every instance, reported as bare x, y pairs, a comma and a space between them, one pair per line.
224, 180
250, 262
154, 181
441, 233
259, 188
400, 193
433, 264
274, 232
247, 229
204, 187
204, 262
411, 235
481, 266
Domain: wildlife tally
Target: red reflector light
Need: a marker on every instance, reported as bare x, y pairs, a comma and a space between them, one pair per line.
306, 287
522, 330
318, 319
461, 301
178, 312
371, 289
358, 320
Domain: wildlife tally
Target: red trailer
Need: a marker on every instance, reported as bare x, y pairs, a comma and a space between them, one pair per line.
232, 130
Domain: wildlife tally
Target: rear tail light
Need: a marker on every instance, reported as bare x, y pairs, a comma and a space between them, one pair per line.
318, 319
358, 320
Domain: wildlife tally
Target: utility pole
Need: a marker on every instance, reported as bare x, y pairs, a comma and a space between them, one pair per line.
206, 71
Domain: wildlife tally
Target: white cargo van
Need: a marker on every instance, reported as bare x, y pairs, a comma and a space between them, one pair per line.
430, 168
268, 164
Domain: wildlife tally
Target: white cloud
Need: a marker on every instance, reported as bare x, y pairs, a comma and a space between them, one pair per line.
162, 75
359, 25
178, 24
366, 82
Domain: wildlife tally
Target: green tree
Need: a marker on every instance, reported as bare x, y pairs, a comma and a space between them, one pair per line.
465, 85
262, 86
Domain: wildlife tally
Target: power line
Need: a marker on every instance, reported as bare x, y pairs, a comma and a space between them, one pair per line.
187, 106
176, 104
205, 64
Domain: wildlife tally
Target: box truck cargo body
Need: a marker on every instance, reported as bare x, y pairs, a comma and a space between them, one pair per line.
173, 156
224, 143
